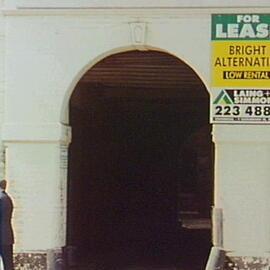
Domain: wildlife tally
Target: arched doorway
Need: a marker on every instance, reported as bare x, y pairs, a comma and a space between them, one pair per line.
140, 165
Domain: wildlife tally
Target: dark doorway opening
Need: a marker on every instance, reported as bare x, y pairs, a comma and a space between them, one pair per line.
140, 166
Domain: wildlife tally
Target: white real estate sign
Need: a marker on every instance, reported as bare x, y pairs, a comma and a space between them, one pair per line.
240, 68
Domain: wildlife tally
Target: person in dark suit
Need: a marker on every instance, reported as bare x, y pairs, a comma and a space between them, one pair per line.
6, 232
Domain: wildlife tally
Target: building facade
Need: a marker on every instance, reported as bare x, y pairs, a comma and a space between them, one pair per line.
45, 49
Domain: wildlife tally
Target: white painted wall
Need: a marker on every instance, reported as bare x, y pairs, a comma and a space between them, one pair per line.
47, 51
45, 57
2, 88
138, 3
59, 49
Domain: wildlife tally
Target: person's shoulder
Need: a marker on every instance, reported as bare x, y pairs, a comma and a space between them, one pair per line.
2, 195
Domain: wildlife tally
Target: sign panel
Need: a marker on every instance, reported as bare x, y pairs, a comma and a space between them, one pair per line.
240, 68
241, 64
241, 105
241, 50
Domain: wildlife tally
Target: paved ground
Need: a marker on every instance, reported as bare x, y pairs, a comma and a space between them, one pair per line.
136, 268
92, 267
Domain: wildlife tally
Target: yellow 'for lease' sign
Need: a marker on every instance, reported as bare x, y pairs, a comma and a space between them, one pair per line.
241, 64
241, 50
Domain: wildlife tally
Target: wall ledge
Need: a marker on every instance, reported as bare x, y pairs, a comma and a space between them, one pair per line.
51, 132
139, 3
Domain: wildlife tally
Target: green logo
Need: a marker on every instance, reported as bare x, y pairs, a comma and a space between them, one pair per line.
223, 98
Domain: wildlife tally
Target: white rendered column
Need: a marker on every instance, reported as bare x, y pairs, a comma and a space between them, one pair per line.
242, 187
36, 171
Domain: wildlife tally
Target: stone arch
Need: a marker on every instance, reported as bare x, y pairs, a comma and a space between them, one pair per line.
172, 56
91, 63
